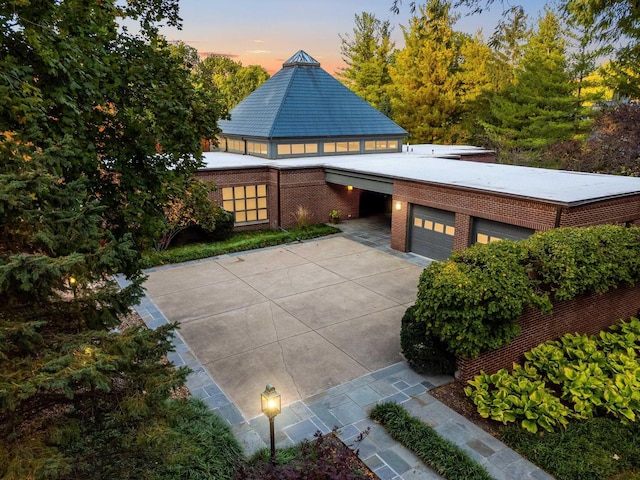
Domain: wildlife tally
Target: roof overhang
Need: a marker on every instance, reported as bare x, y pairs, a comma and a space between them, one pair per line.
363, 181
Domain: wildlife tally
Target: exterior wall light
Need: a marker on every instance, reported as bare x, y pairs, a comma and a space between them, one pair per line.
398, 205
271, 405
349, 187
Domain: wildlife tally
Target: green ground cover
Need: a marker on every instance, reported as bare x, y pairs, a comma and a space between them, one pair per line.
238, 242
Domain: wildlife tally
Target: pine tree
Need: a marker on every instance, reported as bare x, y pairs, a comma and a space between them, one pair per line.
97, 128
436, 76
540, 107
368, 56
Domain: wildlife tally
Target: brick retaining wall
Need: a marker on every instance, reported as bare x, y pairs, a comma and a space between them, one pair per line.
584, 314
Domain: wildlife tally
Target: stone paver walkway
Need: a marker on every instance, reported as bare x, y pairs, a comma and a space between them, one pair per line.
346, 406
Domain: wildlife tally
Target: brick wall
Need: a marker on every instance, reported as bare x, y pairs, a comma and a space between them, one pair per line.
584, 314
287, 189
618, 211
468, 204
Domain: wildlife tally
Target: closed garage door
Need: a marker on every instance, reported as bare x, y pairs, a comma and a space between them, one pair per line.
485, 231
432, 232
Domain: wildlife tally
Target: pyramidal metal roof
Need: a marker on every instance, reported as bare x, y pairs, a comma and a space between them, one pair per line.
303, 100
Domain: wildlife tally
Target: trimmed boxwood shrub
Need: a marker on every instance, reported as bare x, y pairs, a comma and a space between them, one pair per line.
473, 300
423, 351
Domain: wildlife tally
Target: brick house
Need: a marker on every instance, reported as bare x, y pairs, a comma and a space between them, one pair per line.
303, 139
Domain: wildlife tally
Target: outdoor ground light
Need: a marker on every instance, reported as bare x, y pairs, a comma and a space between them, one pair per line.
271, 406
73, 284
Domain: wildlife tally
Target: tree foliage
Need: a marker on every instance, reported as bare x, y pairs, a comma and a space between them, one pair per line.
612, 147
434, 76
228, 80
368, 55
189, 209
539, 107
98, 128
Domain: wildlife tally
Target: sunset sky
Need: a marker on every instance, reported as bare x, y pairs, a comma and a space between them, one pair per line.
268, 32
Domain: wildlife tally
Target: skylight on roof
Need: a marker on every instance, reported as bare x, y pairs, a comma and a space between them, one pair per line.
301, 58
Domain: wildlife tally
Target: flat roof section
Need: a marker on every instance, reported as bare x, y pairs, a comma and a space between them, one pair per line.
425, 163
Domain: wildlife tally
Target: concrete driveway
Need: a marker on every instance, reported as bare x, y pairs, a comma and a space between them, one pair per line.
304, 317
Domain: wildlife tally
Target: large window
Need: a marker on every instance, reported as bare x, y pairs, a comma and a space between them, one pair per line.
234, 145
381, 145
247, 202
341, 147
257, 148
297, 149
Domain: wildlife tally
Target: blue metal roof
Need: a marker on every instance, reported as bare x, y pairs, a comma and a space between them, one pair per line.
302, 100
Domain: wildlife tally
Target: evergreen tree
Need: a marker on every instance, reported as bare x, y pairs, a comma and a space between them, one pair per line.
539, 108
436, 76
507, 43
98, 127
368, 56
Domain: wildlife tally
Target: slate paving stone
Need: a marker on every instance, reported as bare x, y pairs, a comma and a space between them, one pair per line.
385, 473
381, 439
394, 461
212, 389
199, 393
435, 414
251, 442
198, 378
348, 433
504, 458
320, 425
401, 385
384, 388
175, 359
360, 381
397, 398
415, 390
325, 416
217, 401
301, 410
373, 462
303, 430
455, 431
348, 413
231, 414
421, 474
482, 448
364, 395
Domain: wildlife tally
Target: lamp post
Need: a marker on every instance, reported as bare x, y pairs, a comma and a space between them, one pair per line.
271, 406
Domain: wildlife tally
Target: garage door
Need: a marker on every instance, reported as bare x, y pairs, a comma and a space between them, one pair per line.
485, 231
432, 232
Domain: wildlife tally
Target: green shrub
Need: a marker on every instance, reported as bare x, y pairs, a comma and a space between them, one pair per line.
423, 351
518, 396
592, 376
188, 441
224, 226
473, 300
446, 458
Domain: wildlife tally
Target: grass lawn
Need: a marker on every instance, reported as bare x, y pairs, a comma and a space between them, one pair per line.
238, 242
